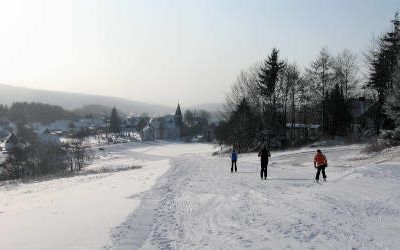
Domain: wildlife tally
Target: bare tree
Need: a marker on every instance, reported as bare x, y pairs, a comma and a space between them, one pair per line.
292, 76
321, 74
346, 72
76, 154
245, 86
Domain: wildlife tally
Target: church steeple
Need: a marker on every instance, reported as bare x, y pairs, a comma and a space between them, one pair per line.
178, 113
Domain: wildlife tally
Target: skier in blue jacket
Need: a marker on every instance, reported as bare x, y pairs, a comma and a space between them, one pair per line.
234, 159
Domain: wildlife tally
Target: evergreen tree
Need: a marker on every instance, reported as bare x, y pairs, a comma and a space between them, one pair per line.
240, 129
115, 121
392, 102
268, 77
338, 116
267, 84
383, 63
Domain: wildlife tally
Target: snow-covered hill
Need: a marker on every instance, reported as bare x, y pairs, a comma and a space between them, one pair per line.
184, 198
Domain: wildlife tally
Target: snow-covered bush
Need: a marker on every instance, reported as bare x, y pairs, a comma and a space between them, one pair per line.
376, 146
387, 139
396, 135
32, 158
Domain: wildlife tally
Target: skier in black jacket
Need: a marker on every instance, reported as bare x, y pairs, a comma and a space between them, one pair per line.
264, 154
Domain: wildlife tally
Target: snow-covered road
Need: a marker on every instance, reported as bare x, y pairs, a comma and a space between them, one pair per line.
200, 204
182, 197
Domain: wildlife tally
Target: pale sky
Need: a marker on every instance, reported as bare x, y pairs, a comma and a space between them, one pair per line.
164, 51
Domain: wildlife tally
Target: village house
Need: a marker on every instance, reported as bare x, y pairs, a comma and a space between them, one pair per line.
93, 123
67, 126
167, 127
48, 137
59, 125
131, 122
9, 143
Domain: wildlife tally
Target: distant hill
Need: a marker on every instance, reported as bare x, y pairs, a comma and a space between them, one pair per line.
82, 102
95, 110
211, 107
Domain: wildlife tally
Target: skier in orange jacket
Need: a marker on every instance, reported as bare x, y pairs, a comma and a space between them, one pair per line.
320, 163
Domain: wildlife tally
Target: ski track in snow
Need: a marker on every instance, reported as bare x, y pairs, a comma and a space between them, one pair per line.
182, 197
199, 204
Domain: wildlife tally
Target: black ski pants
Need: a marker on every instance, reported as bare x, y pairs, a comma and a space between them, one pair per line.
233, 162
264, 173
319, 170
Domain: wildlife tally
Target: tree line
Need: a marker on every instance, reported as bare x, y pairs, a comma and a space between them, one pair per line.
23, 112
197, 122
270, 98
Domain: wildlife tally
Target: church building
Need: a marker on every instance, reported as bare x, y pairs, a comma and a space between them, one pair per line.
167, 127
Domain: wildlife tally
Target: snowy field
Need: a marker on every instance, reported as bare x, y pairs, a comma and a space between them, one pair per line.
182, 197
76, 212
